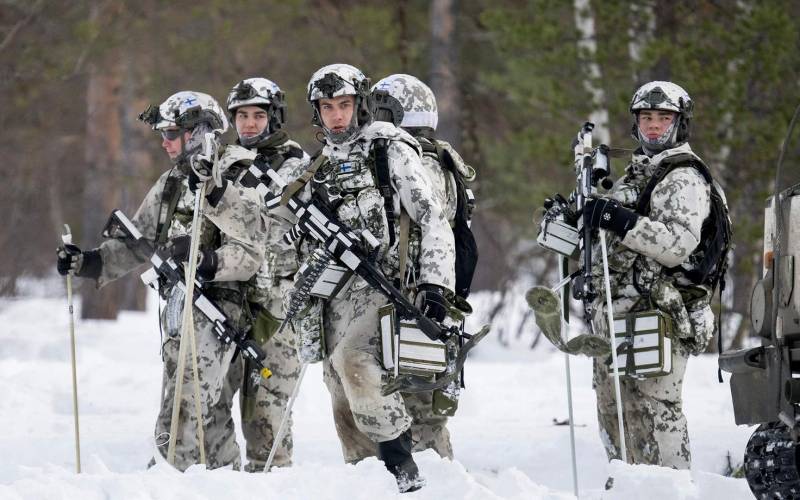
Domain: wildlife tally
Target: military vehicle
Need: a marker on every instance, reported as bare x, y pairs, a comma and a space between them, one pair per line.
765, 380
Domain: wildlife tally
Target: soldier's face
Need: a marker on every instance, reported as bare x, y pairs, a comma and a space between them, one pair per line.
337, 112
250, 121
654, 122
171, 141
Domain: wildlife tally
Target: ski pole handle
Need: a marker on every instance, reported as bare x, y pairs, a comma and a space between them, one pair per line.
66, 238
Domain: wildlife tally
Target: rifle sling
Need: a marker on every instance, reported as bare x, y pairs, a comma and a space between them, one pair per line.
405, 226
301, 181
170, 195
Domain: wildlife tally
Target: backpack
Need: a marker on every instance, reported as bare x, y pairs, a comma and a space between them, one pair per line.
466, 249
716, 233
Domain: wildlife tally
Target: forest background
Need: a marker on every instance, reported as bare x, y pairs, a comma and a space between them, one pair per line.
514, 81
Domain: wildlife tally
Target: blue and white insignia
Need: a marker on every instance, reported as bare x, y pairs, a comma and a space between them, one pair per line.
346, 167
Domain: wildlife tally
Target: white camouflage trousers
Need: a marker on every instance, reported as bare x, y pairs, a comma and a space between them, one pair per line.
428, 430
353, 370
217, 378
263, 410
652, 412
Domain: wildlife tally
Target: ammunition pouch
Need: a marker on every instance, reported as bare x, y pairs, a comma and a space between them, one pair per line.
643, 341
406, 350
264, 326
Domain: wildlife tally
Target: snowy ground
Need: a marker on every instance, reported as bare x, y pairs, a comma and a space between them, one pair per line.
504, 436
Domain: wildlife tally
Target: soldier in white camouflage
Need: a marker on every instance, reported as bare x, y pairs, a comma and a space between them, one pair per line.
656, 251
346, 180
414, 109
232, 241
257, 110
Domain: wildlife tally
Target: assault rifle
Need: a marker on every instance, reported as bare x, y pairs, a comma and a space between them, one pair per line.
317, 221
165, 272
591, 168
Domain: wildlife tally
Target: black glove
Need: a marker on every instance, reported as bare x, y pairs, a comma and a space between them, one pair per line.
206, 268
605, 213
196, 179
201, 175
431, 301
73, 261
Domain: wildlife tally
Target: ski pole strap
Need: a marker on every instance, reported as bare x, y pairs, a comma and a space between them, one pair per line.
301, 181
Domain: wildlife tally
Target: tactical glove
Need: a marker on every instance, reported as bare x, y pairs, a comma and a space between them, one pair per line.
605, 213
200, 173
206, 268
73, 261
431, 301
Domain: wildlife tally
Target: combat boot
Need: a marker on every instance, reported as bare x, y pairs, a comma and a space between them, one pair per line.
396, 456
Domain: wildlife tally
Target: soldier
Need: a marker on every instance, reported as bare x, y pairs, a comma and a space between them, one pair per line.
414, 109
232, 240
347, 179
661, 257
257, 109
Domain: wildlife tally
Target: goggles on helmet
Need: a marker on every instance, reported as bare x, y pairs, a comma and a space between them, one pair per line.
170, 134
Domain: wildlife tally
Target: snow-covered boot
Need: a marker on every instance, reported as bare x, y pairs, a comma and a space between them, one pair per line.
396, 456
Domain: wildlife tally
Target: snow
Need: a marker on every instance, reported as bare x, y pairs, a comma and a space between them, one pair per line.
505, 440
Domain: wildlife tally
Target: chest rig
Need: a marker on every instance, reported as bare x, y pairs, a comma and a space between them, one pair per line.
350, 184
706, 265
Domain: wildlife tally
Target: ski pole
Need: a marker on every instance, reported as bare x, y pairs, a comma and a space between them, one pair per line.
187, 329
563, 267
66, 238
610, 314
281, 428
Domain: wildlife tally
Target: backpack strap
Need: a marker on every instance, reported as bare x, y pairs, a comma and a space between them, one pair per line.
405, 229
383, 179
169, 201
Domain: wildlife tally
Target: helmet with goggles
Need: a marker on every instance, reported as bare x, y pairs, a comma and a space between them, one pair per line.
337, 80
185, 110
663, 96
262, 93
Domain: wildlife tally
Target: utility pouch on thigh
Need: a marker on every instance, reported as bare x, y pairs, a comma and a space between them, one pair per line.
644, 344
445, 400
248, 399
309, 332
264, 326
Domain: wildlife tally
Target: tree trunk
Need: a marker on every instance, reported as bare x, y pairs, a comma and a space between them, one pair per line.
666, 29
103, 154
584, 22
444, 69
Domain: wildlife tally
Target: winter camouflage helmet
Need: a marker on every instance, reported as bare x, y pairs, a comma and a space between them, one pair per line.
262, 93
337, 80
186, 109
416, 99
664, 96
